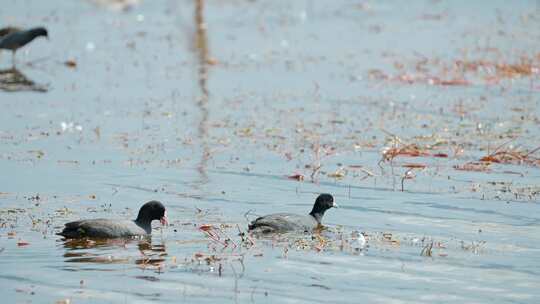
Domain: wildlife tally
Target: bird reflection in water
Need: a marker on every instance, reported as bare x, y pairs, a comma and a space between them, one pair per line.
105, 251
13, 80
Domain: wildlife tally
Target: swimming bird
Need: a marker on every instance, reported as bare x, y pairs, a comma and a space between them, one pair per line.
108, 228
288, 222
12, 38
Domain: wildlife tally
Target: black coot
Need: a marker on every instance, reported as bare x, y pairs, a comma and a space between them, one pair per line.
288, 222
12, 38
108, 228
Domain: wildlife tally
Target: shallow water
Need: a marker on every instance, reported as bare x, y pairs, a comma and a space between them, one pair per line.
285, 87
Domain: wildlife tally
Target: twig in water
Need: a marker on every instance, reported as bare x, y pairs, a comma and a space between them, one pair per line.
246, 215
316, 164
427, 250
253, 292
245, 236
408, 175
235, 280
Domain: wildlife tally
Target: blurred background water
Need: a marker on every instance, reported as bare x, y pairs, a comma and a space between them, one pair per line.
225, 110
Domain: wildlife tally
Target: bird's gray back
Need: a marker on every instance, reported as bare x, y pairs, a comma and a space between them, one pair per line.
15, 40
284, 222
106, 228
8, 30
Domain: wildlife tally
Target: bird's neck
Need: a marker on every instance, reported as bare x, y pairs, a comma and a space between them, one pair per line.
318, 215
33, 33
144, 224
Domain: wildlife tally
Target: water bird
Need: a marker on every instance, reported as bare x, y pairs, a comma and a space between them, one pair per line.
109, 228
12, 38
288, 222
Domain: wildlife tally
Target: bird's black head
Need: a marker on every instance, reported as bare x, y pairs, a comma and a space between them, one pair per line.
323, 202
40, 31
153, 210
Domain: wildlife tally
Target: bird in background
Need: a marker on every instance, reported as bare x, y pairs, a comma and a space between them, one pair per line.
12, 38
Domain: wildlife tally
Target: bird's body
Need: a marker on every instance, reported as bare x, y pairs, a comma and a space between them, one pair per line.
8, 30
108, 228
283, 222
289, 222
104, 228
12, 38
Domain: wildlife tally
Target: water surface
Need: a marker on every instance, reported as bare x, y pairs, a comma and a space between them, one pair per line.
212, 120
